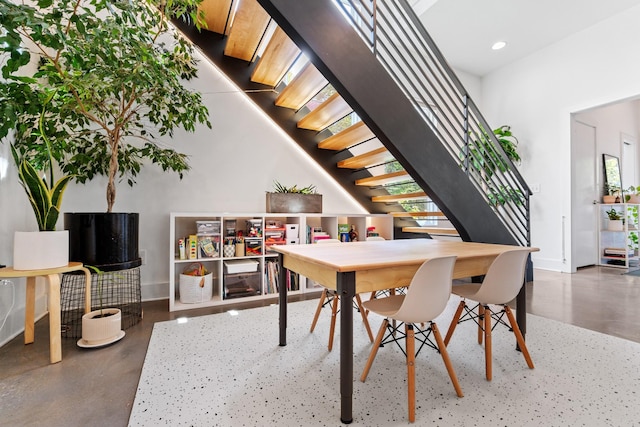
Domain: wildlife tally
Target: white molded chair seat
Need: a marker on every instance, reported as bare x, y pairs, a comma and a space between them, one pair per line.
499, 287
426, 299
331, 297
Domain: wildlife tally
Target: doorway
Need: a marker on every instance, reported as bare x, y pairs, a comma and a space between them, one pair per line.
584, 195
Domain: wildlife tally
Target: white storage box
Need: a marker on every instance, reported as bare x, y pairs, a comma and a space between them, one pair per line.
240, 266
208, 226
195, 289
292, 231
293, 241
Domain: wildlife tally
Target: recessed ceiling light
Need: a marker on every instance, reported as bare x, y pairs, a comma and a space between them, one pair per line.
498, 45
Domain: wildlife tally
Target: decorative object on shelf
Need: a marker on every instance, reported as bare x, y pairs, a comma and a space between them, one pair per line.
293, 199
196, 284
611, 194
615, 220
632, 195
612, 181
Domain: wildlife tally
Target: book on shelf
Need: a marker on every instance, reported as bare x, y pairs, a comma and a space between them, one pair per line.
618, 252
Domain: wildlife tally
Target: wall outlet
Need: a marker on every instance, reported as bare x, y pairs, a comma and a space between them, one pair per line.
143, 256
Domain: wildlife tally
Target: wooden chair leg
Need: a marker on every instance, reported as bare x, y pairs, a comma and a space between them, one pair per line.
365, 320
323, 296
454, 322
374, 349
487, 342
442, 348
411, 371
519, 337
334, 315
481, 314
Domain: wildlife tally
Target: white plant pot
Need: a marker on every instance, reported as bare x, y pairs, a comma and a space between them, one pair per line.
615, 225
37, 250
98, 331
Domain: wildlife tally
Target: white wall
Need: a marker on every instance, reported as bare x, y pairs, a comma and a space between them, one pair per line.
537, 95
233, 165
611, 121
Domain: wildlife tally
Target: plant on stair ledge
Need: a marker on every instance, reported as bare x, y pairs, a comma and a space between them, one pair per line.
293, 199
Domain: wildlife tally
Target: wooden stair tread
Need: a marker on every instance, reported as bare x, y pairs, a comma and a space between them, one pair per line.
431, 230
372, 158
350, 136
216, 13
277, 58
388, 178
330, 111
424, 214
302, 88
398, 197
249, 24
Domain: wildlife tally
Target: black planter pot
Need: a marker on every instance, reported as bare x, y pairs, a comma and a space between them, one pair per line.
106, 240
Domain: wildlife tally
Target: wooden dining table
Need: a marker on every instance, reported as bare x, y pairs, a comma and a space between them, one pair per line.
361, 267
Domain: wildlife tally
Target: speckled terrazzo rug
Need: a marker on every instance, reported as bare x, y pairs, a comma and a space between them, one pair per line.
225, 370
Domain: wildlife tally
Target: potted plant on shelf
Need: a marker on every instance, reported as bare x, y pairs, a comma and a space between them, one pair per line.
615, 220
611, 193
632, 195
294, 199
106, 80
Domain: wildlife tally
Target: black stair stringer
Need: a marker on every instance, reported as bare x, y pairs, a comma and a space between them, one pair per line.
212, 46
334, 47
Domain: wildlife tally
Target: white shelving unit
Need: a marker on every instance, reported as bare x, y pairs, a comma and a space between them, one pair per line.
618, 245
231, 287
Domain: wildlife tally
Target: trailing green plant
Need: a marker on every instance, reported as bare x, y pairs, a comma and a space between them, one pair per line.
279, 188
503, 194
631, 191
116, 73
482, 154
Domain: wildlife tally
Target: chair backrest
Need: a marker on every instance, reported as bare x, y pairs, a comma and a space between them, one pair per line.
373, 238
504, 279
429, 291
328, 241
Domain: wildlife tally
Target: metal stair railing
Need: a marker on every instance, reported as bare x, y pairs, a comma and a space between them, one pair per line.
401, 43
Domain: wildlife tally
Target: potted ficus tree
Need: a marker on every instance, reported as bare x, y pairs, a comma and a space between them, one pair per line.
113, 76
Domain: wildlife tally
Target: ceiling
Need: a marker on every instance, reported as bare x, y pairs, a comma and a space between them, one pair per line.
465, 30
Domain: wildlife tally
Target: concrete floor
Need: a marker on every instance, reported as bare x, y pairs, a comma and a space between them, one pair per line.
97, 386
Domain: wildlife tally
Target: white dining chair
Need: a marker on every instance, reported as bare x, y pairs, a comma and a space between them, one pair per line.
500, 286
425, 299
330, 297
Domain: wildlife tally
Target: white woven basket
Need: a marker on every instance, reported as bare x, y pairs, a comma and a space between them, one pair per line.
195, 289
